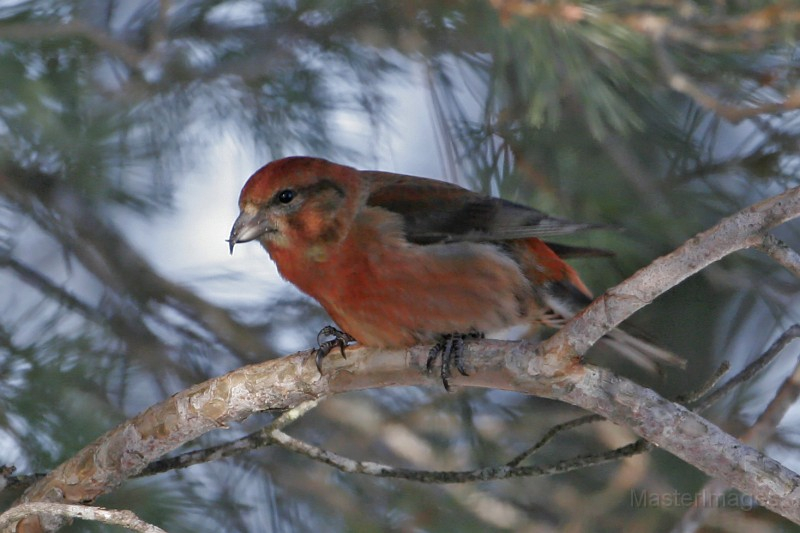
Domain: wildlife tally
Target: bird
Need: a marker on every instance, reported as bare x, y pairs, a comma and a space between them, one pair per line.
400, 260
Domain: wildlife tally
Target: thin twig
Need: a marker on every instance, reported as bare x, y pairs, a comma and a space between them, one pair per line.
764, 429
50, 289
551, 433
708, 384
781, 253
272, 434
750, 370
589, 419
255, 440
18, 482
682, 83
348, 465
713, 35
264, 437
74, 28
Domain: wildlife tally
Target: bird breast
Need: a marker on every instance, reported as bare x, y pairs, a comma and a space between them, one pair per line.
387, 292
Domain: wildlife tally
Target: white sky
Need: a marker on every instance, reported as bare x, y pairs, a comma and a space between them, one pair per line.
188, 244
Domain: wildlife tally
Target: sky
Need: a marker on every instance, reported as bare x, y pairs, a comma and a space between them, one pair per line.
188, 244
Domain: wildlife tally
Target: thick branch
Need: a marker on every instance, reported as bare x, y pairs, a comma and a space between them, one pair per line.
282, 383
553, 370
116, 517
757, 436
742, 230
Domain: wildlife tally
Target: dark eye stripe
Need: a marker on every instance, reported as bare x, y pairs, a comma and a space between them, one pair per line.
286, 196
322, 185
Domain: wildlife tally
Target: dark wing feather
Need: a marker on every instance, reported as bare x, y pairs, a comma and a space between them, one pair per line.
437, 211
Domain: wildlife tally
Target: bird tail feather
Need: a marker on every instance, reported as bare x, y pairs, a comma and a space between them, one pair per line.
641, 352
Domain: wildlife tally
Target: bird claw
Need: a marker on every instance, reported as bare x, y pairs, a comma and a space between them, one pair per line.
340, 339
451, 350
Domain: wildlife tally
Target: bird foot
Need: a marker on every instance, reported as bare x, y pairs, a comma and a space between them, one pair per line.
451, 349
340, 339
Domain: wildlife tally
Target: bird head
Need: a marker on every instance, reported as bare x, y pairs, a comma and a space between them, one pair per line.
297, 202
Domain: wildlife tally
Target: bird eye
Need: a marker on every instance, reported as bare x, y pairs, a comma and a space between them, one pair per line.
286, 196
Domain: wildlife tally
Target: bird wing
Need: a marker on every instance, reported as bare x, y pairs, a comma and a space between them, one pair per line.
436, 211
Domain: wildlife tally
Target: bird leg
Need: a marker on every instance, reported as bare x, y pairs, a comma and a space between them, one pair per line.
340, 339
451, 349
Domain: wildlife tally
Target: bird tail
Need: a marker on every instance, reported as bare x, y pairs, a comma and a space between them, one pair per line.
565, 301
641, 352
562, 295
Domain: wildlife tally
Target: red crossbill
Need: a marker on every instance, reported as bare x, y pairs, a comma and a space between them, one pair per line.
400, 260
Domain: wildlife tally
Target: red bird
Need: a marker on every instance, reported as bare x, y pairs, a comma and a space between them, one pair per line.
400, 260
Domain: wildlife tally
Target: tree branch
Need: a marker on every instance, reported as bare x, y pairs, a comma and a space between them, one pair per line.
350, 466
253, 441
550, 435
743, 230
781, 253
273, 434
757, 436
75, 28
682, 83
750, 370
553, 369
264, 437
276, 384
123, 518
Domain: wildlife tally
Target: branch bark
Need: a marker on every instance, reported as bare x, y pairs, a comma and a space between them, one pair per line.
745, 229
116, 517
553, 369
757, 436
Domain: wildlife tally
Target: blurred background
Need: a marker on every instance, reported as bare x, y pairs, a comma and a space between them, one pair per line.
128, 127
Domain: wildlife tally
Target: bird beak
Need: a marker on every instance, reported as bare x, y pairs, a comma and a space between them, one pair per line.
248, 227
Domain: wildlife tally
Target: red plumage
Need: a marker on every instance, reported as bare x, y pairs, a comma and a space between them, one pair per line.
400, 260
